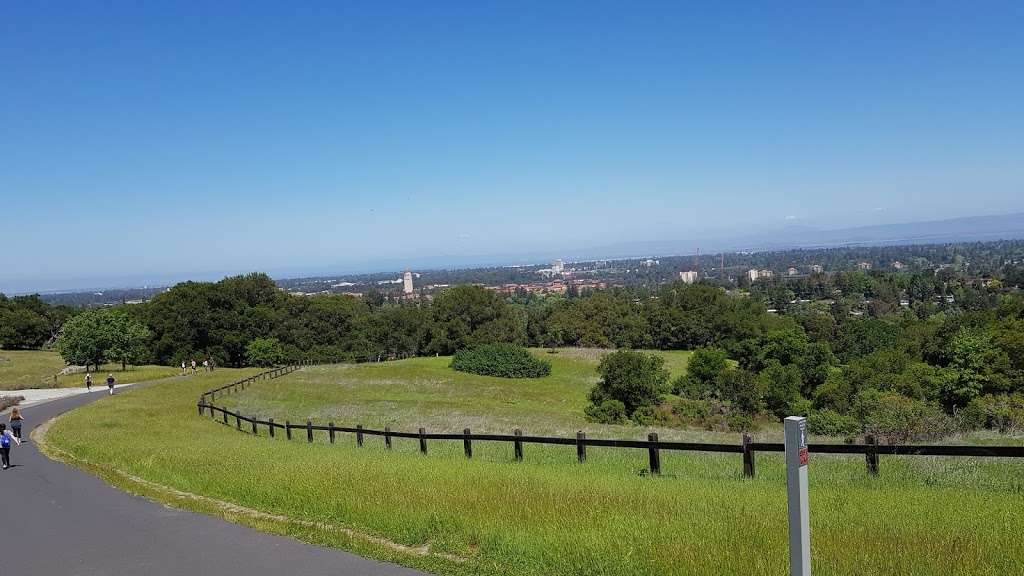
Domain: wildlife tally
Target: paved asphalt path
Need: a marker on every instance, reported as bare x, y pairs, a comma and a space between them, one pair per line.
58, 521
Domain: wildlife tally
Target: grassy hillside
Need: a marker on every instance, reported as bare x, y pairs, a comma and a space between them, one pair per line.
549, 515
425, 392
36, 369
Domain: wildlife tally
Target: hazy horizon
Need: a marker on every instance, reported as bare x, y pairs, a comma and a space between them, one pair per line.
161, 141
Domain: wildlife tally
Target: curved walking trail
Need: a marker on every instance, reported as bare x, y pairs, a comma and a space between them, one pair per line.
61, 521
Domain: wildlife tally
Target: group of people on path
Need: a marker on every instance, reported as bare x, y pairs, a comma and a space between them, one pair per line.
207, 366
110, 383
7, 437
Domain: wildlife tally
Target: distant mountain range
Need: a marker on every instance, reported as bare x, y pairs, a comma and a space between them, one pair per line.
966, 229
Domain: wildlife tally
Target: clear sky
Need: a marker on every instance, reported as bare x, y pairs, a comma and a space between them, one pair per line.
177, 139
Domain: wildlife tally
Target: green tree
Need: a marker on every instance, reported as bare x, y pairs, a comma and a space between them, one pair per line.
634, 378
83, 339
781, 389
126, 340
702, 373
465, 316
742, 388
264, 352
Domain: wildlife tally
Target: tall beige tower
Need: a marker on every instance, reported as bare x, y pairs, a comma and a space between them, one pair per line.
407, 282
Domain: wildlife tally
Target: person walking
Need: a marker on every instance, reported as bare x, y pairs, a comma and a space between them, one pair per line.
193, 366
88, 382
110, 383
5, 445
183, 372
16, 420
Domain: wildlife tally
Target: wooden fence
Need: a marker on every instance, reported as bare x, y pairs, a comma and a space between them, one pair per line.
871, 450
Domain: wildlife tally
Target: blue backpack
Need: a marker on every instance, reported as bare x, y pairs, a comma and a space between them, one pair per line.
5, 440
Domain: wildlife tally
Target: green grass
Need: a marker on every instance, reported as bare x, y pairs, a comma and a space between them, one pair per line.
549, 515
425, 392
21, 369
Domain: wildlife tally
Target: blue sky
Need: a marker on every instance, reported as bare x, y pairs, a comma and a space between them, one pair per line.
146, 140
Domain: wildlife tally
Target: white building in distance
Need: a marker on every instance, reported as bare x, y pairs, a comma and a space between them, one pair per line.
755, 274
688, 276
407, 282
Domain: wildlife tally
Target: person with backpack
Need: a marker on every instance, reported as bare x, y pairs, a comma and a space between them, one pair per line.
110, 383
16, 420
88, 382
5, 445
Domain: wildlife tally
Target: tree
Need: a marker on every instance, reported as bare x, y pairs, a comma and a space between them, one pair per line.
634, 378
781, 388
83, 339
742, 388
702, 372
126, 339
264, 352
465, 316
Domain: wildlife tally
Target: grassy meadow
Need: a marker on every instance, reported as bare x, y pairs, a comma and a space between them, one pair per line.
21, 369
425, 392
548, 514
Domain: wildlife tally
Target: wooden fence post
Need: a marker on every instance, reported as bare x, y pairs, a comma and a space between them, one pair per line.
748, 456
288, 429
359, 435
387, 437
238, 422
518, 445
581, 447
309, 431
271, 420
653, 456
871, 455
330, 431
423, 441
254, 431
225, 413
467, 443
200, 407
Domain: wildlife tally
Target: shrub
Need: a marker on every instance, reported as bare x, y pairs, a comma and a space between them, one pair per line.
742, 389
1004, 412
607, 412
900, 419
781, 386
828, 422
502, 360
634, 378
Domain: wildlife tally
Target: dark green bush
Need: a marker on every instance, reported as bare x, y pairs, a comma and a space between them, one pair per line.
898, 419
607, 412
634, 378
502, 360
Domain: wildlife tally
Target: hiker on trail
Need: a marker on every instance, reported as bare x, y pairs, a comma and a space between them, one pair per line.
206, 365
183, 372
110, 383
5, 445
16, 420
193, 365
88, 382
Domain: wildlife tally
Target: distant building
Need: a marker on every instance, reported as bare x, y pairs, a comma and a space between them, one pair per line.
558, 266
649, 262
817, 269
897, 265
864, 265
755, 274
791, 271
407, 287
688, 276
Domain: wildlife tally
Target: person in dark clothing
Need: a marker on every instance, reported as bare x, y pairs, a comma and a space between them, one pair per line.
110, 383
6, 438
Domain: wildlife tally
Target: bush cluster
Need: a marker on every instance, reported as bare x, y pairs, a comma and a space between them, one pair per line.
502, 360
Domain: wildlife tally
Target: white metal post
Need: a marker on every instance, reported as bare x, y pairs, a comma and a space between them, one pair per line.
796, 484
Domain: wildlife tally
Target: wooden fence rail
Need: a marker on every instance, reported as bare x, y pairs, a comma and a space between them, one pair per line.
748, 448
